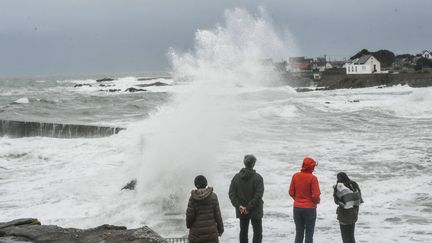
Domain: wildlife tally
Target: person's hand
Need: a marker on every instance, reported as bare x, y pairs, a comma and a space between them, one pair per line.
243, 210
220, 234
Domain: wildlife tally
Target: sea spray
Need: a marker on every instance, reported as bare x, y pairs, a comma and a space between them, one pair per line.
188, 136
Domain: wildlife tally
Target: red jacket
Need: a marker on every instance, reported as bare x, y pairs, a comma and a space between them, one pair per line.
304, 188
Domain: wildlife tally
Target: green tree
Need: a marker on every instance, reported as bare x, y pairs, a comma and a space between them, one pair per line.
386, 57
423, 63
360, 53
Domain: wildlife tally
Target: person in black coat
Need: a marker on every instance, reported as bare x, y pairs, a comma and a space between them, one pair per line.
246, 192
203, 215
347, 196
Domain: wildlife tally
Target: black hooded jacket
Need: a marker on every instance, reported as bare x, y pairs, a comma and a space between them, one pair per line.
247, 189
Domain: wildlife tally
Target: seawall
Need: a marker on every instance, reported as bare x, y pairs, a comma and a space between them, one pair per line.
338, 79
18, 129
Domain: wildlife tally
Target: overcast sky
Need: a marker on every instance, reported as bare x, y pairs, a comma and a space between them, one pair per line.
49, 37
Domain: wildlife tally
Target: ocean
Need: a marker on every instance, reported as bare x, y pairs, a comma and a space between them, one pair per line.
219, 104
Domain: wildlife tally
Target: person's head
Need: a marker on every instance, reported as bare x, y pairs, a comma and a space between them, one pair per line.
249, 161
308, 164
343, 178
200, 182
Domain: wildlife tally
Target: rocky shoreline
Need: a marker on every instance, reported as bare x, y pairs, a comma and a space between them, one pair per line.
332, 81
31, 230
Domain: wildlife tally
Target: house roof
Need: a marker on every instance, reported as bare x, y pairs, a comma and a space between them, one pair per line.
362, 60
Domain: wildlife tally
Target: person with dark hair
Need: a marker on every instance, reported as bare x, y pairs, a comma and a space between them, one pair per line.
246, 192
203, 215
347, 195
305, 191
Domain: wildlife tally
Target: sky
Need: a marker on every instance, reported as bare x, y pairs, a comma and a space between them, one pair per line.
67, 37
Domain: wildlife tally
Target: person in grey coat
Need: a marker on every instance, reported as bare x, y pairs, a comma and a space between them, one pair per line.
246, 192
347, 196
203, 215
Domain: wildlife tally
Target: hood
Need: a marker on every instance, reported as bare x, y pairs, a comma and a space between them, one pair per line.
246, 173
202, 193
308, 165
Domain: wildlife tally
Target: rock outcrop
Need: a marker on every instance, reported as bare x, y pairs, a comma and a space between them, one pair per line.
105, 80
152, 84
132, 90
131, 185
31, 230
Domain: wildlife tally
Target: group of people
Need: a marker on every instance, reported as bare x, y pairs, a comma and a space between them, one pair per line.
204, 218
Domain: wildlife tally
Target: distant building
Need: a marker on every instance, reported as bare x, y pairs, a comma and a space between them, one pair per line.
321, 64
300, 64
366, 64
426, 54
337, 64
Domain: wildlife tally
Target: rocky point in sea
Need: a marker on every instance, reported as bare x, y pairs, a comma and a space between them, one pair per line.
31, 230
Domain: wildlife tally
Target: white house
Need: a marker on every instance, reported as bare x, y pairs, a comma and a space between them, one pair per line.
427, 54
366, 64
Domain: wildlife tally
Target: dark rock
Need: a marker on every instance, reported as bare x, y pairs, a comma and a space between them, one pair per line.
105, 80
81, 85
152, 78
106, 85
30, 230
353, 101
300, 90
327, 102
130, 185
18, 222
132, 89
152, 84
114, 90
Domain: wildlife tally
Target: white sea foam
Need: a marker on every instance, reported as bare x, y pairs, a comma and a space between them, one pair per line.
120, 85
23, 100
186, 139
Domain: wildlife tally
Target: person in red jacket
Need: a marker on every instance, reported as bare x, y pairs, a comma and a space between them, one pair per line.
304, 189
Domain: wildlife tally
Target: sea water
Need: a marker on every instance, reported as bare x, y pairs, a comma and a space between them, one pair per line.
222, 102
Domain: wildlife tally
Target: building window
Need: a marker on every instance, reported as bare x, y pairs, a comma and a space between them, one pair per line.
356, 68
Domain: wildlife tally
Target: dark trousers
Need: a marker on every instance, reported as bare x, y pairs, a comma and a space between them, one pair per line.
304, 219
347, 232
244, 229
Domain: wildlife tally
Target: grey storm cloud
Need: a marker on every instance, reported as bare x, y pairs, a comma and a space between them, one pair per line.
48, 37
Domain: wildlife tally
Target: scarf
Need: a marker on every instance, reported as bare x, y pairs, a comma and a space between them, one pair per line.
346, 197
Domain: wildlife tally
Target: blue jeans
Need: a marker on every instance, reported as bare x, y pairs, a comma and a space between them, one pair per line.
304, 219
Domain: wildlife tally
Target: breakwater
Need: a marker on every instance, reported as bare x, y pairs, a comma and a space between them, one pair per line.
18, 129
